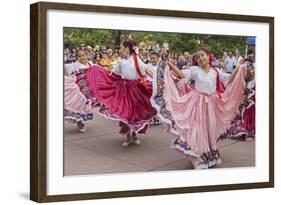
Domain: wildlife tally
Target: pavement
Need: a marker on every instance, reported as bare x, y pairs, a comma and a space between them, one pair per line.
99, 151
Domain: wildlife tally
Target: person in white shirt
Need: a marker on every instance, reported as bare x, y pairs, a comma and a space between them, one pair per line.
154, 58
153, 66
238, 58
229, 62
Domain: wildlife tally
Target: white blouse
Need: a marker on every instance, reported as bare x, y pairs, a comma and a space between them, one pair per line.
153, 69
205, 82
76, 66
126, 68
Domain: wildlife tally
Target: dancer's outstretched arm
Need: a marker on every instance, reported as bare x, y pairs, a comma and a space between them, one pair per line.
177, 71
149, 72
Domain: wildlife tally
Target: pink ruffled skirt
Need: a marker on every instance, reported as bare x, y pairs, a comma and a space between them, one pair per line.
201, 119
78, 100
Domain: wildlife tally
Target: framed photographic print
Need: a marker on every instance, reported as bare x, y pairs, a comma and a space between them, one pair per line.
136, 102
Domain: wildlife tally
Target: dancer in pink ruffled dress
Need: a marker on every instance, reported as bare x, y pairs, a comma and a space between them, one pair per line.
78, 100
204, 113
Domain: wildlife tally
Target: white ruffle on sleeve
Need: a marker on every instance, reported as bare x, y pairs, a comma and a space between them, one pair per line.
190, 74
71, 67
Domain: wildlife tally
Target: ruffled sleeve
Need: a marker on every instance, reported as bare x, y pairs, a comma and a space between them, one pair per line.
70, 68
190, 74
117, 68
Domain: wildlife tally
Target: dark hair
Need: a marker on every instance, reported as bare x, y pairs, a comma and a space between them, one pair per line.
98, 54
250, 51
155, 53
165, 55
194, 60
129, 45
249, 59
205, 50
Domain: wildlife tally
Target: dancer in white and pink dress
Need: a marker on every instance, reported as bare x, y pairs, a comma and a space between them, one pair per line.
244, 126
204, 113
78, 100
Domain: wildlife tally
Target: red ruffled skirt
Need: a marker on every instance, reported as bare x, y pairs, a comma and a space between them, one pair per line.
127, 101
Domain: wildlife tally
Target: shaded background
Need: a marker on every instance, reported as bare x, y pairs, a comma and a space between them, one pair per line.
178, 42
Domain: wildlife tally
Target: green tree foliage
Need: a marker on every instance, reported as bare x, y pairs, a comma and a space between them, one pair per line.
178, 42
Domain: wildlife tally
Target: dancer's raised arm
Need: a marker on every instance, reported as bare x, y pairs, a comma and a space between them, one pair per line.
177, 71
149, 72
233, 74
